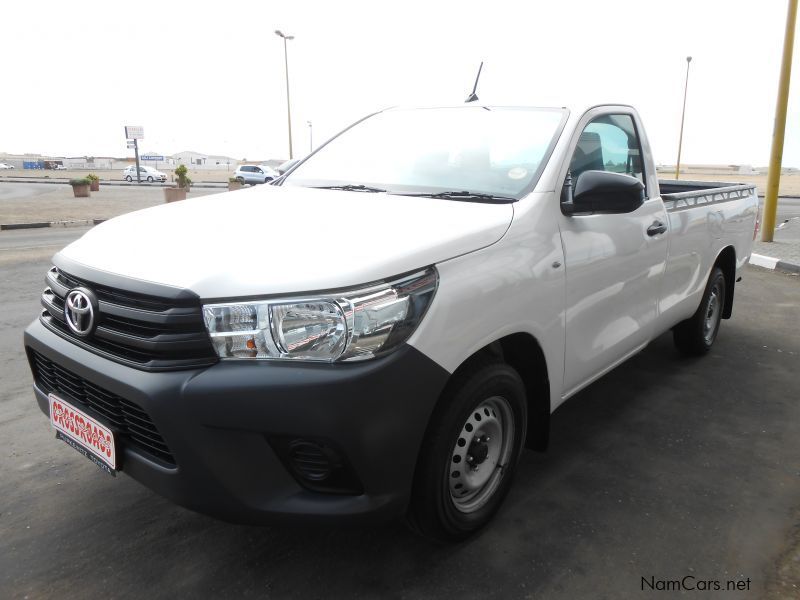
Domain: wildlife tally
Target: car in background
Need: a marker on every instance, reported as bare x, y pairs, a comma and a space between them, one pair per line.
4, 166
60, 168
148, 174
255, 174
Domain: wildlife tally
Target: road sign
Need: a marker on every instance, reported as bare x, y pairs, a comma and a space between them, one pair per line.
134, 132
131, 144
152, 157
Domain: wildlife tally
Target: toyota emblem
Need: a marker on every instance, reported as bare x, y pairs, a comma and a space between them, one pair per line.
79, 311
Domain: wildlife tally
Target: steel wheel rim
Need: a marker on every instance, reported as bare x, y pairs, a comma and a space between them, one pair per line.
713, 308
488, 434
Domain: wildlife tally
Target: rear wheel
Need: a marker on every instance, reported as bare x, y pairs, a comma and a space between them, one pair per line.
469, 454
697, 334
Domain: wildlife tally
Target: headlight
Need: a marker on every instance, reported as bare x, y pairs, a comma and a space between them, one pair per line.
349, 325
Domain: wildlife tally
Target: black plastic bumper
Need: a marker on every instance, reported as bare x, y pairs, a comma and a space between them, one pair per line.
219, 422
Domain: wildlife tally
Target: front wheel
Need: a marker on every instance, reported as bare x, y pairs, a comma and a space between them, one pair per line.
696, 335
149, 180
129, 179
469, 454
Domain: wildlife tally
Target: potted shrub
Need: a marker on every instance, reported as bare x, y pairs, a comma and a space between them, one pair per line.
80, 187
94, 182
234, 183
172, 194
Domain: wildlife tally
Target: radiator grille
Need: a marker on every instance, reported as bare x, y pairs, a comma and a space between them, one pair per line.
145, 332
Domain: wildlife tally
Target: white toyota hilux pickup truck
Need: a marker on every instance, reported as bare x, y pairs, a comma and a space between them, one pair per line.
382, 331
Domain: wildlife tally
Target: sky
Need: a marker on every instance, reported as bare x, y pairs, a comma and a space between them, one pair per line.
209, 76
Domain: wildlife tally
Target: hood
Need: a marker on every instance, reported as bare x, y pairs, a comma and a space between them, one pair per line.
286, 240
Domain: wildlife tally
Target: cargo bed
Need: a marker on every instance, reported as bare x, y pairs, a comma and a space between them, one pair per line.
681, 195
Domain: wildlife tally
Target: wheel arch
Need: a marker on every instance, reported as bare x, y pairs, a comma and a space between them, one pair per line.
726, 261
524, 354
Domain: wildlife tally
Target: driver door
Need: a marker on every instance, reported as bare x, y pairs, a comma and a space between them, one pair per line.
613, 265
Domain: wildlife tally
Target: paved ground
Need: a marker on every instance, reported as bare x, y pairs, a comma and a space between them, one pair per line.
667, 467
36, 202
786, 242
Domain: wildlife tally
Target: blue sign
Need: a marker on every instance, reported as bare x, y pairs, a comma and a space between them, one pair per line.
152, 157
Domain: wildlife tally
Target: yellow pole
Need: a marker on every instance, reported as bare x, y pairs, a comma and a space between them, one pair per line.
683, 114
776, 156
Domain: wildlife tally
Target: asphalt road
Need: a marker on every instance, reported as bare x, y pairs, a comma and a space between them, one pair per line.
54, 238
788, 209
667, 467
22, 190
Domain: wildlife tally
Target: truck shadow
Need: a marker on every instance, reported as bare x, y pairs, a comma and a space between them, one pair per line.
610, 446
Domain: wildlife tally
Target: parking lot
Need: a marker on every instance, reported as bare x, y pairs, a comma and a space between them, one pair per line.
665, 468
36, 202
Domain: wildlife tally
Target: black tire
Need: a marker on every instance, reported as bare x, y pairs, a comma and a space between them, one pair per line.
435, 511
696, 335
129, 179
240, 180
149, 180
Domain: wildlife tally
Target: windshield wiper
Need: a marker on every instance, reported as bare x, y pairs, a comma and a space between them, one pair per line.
350, 187
465, 195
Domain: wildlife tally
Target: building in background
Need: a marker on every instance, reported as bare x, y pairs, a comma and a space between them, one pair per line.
200, 161
76, 163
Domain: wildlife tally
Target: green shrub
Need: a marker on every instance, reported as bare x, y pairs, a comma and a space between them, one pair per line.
80, 181
183, 179
92, 177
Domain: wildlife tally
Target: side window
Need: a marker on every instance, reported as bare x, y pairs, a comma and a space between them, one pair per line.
609, 143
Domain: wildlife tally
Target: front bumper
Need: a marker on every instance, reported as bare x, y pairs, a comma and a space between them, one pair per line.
221, 424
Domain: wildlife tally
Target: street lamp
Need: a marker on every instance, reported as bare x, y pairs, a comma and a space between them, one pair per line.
779, 129
683, 115
279, 33
310, 138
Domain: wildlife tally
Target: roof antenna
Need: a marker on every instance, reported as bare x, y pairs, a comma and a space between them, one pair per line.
473, 96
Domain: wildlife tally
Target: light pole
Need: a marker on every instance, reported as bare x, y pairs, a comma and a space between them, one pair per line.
683, 116
285, 37
310, 138
779, 129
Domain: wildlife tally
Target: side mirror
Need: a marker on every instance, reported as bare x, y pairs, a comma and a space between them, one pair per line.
605, 192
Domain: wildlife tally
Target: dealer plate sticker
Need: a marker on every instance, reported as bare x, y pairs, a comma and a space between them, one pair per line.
83, 433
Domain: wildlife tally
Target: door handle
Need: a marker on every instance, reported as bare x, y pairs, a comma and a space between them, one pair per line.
656, 228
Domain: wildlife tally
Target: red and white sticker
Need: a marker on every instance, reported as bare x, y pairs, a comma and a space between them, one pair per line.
83, 429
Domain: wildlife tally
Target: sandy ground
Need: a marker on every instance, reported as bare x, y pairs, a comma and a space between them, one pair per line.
790, 184
36, 202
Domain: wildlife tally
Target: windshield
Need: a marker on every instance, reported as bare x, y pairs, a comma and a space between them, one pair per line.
482, 150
